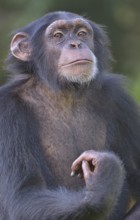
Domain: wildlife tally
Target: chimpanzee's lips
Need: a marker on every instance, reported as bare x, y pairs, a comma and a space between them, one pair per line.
79, 61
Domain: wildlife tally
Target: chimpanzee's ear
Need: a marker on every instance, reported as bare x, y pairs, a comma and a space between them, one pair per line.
21, 46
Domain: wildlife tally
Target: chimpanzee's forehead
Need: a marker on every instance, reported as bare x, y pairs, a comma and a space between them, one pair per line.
67, 23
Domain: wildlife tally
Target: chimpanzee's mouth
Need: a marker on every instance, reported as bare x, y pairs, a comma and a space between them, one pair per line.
79, 61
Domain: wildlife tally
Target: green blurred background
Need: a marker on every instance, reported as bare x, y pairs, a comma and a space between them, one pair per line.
121, 17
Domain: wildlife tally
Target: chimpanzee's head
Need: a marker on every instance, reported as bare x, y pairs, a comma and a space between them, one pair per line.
61, 47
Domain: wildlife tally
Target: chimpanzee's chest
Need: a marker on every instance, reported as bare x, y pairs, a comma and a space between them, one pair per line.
65, 135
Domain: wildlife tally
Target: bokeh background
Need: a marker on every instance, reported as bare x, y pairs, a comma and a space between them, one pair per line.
121, 17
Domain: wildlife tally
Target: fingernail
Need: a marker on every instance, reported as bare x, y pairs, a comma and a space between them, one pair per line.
72, 173
79, 175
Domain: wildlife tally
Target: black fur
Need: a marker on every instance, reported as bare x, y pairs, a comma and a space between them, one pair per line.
43, 130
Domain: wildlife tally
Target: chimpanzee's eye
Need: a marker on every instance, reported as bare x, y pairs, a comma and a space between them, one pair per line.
58, 34
82, 33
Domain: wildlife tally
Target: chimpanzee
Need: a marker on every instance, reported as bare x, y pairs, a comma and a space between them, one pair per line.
62, 112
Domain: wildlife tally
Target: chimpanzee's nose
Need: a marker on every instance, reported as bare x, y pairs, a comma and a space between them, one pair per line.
75, 44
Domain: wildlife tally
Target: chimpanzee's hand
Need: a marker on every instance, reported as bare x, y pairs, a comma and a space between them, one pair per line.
93, 165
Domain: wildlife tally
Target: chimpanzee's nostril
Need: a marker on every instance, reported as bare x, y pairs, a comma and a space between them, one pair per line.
73, 45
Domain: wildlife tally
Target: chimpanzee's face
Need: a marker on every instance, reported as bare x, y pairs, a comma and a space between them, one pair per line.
71, 45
